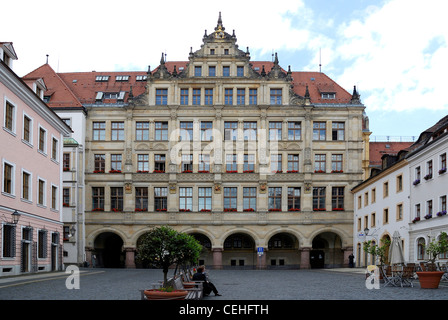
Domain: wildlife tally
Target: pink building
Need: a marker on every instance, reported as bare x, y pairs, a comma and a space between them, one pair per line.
31, 142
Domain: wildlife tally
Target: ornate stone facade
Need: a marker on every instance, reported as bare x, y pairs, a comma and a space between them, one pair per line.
241, 154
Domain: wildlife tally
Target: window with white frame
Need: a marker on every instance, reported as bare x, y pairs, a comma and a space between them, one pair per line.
9, 121
42, 146
41, 192
54, 149
54, 197
27, 132
26, 185
8, 178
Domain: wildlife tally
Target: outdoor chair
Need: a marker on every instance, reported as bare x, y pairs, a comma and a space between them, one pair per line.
388, 276
407, 276
444, 268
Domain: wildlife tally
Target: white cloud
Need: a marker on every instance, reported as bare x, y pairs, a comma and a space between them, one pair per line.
397, 55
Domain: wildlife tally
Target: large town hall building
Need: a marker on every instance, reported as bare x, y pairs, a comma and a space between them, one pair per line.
245, 155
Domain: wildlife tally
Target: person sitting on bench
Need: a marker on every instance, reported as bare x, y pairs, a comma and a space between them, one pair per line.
208, 286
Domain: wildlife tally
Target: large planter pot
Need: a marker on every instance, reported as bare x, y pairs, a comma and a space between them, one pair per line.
154, 294
429, 279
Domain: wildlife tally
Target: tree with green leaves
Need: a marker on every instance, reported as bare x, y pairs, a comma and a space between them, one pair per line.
376, 250
436, 247
164, 247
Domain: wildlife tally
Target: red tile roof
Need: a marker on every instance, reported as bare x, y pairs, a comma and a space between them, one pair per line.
378, 149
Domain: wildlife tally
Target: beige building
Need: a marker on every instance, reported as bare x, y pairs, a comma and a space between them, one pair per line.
244, 155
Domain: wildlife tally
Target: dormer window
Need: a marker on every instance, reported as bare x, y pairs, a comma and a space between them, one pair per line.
142, 78
122, 78
328, 95
197, 71
102, 78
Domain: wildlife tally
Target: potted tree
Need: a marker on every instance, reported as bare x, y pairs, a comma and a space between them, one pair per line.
378, 251
430, 278
163, 247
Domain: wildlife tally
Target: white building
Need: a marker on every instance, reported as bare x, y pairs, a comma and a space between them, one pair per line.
407, 195
429, 189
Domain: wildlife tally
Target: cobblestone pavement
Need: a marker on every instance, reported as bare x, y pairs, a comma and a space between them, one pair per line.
124, 284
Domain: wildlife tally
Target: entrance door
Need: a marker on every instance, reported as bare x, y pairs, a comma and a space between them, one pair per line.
317, 258
25, 263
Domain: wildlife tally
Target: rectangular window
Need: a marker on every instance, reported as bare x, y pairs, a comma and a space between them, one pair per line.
320, 163
197, 71
196, 96
428, 170
54, 149
99, 131
240, 71
206, 130
249, 163
275, 130
226, 71
115, 162
66, 197
250, 130
211, 70
100, 163
373, 220
186, 131
8, 178
249, 198
117, 131
9, 241
442, 164
294, 131
418, 175
276, 96
161, 131
142, 131
253, 96
443, 205
162, 97
54, 197
208, 97
116, 198
26, 186
337, 198
319, 198
66, 162
385, 216
142, 163
293, 163
294, 194
160, 199
141, 199
187, 163
275, 199
385, 189
336, 163
41, 194
230, 198
42, 140
276, 163
399, 183
319, 130
366, 199
240, 97
373, 195
228, 97
399, 215
184, 97
97, 198
231, 163
205, 199
42, 241
185, 199
204, 163
27, 129
337, 131
429, 207
230, 130
417, 210
10, 117
159, 163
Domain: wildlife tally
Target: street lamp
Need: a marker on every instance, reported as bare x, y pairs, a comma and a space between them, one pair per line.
15, 217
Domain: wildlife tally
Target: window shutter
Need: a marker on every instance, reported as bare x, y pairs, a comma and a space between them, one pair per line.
13, 241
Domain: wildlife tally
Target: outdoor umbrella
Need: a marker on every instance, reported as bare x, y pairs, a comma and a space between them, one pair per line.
395, 250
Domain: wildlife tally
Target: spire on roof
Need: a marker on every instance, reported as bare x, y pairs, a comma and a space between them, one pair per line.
356, 99
219, 26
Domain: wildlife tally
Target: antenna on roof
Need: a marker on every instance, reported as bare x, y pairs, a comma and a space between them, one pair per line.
320, 60
47, 59
272, 55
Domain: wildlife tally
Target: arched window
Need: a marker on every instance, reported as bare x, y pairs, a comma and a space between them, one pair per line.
420, 249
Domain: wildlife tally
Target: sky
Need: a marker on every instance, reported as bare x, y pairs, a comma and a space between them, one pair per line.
394, 51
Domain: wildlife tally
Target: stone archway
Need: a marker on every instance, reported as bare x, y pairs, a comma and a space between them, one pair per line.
239, 252
283, 251
327, 251
108, 250
206, 256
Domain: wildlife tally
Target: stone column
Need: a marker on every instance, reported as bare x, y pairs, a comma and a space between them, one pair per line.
217, 258
89, 251
261, 260
305, 258
130, 258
